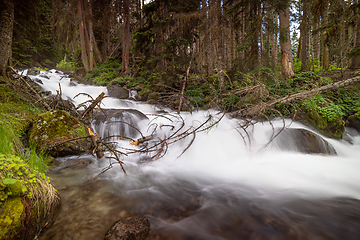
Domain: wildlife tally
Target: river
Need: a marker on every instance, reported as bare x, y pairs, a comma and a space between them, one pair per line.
227, 185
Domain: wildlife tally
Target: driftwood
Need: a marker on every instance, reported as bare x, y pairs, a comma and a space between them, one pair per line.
94, 103
40, 99
254, 110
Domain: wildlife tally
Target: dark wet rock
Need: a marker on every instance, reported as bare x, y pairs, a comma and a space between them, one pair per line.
301, 140
44, 76
59, 72
37, 80
73, 82
353, 122
116, 91
33, 72
131, 228
72, 163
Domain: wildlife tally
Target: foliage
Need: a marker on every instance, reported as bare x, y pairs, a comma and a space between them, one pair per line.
106, 72
14, 170
33, 39
325, 106
66, 66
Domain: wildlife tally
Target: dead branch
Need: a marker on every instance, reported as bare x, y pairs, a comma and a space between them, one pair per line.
184, 85
31, 89
94, 103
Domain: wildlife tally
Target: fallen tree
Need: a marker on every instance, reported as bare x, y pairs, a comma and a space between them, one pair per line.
258, 108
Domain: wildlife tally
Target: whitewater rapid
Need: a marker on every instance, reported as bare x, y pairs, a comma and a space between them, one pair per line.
220, 158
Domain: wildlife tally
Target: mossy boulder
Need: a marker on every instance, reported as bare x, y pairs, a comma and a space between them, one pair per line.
52, 129
153, 97
333, 129
144, 94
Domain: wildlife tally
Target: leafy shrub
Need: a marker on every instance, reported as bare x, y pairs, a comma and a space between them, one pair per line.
326, 107
103, 74
67, 66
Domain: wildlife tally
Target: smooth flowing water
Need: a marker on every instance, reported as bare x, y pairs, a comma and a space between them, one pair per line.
222, 187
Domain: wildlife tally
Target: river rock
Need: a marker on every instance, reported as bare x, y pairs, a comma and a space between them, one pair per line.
33, 72
116, 91
44, 76
37, 80
53, 128
301, 140
353, 122
131, 228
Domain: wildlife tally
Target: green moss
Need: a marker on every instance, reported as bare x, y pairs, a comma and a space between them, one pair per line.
144, 94
10, 218
333, 129
55, 126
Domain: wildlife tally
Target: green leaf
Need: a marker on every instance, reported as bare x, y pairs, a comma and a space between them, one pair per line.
9, 181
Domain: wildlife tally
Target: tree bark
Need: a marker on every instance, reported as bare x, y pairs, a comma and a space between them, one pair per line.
286, 52
126, 36
6, 33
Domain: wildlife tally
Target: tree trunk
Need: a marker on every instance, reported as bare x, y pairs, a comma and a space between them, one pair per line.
220, 51
6, 33
324, 42
316, 37
286, 52
355, 55
82, 36
274, 39
304, 29
126, 36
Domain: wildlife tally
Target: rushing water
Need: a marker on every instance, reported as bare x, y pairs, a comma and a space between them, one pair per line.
222, 187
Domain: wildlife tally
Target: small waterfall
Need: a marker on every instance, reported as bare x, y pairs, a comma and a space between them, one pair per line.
119, 122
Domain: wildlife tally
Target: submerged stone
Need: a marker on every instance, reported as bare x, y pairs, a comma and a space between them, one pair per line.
304, 141
131, 228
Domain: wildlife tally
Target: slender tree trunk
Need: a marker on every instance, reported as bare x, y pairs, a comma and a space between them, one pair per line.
93, 45
342, 37
220, 55
82, 36
274, 38
6, 33
286, 52
304, 29
355, 56
316, 37
126, 36
324, 44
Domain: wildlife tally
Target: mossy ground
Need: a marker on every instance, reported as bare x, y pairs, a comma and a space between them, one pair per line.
10, 218
19, 179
